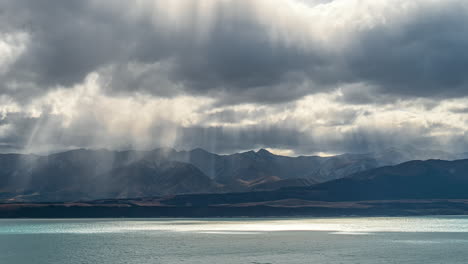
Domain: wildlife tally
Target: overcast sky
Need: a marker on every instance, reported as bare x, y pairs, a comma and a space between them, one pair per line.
294, 76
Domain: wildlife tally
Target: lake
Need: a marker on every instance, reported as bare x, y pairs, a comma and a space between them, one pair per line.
247, 240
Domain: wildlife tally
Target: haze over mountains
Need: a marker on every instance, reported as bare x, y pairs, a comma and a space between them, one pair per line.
96, 174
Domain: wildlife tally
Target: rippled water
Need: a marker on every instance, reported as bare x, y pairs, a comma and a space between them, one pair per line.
312, 240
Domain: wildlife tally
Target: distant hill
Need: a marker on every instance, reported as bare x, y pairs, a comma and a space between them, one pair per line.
94, 174
85, 174
146, 178
431, 179
247, 166
250, 166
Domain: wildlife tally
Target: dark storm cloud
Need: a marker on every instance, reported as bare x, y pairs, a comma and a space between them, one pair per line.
241, 55
459, 110
69, 40
72, 39
422, 56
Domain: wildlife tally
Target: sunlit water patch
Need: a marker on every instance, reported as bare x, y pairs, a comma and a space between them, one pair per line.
240, 226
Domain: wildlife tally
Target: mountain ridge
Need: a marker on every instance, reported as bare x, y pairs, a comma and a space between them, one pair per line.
74, 174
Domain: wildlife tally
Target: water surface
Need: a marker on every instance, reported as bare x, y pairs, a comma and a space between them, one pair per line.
302, 240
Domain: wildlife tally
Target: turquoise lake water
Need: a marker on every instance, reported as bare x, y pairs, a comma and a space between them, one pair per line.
255, 241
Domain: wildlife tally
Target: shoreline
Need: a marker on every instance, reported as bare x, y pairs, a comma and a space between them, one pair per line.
377, 208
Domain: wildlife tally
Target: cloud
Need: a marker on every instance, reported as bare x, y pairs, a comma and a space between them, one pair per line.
460, 110
420, 55
238, 51
84, 116
227, 75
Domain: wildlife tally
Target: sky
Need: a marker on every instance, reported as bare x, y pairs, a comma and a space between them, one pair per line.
294, 76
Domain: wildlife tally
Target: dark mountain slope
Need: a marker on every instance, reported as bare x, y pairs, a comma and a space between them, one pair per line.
147, 178
266, 185
432, 179
87, 174
429, 179
412, 188
237, 168
234, 169
77, 174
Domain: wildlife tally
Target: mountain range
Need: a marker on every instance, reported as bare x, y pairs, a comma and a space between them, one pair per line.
426, 180
97, 174
429, 187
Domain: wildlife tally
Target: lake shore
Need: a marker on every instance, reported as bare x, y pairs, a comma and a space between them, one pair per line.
137, 208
